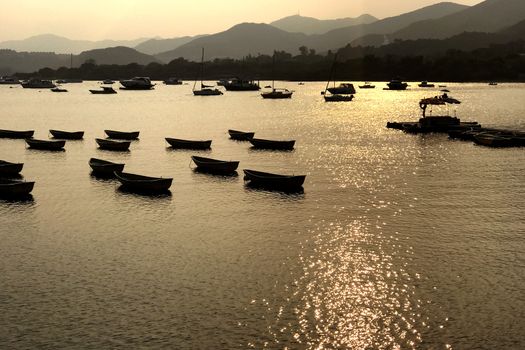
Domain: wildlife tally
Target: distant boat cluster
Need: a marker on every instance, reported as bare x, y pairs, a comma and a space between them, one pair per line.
121, 141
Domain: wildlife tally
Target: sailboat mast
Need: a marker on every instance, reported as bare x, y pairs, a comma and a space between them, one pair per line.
331, 72
202, 71
273, 72
202, 66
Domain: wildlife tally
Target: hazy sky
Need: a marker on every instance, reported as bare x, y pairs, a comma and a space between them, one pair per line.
130, 19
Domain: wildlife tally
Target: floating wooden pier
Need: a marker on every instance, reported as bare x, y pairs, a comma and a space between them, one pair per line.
456, 129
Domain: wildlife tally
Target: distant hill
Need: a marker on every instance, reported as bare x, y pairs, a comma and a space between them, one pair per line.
310, 25
517, 31
25, 62
466, 42
59, 44
115, 55
155, 46
251, 38
488, 16
238, 41
342, 36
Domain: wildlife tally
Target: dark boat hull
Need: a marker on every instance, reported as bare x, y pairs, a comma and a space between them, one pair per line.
396, 86
14, 134
105, 168
276, 96
283, 182
141, 183
10, 169
240, 135
207, 92
122, 135
188, 144
110, 145
215, 165
67, 135
338, 98
14, 188
272, 144
103, 92
250, 87
47, 145
341, 90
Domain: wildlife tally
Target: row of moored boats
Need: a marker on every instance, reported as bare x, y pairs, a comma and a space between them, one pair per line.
120, 141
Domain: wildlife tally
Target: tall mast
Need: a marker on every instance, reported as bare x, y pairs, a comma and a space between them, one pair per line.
202, 70
273, 72
202, 66
331, 72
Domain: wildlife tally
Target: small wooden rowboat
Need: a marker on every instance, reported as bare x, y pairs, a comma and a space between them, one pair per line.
104, 167
122, 135
142, 183
188, 144
49, 145
9, 169
240, 135
15, 188
57, 89
274, 180
67, 135
112, 145
272, 144
215, 165
14, 134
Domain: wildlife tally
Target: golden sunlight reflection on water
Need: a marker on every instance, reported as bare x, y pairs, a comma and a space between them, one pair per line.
354, 292
397, 242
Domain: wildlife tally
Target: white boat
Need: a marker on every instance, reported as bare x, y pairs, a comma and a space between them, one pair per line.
137, 83
9, 81
242, 85
38, 84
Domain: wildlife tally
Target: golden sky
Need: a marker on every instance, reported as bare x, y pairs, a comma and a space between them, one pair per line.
131, 19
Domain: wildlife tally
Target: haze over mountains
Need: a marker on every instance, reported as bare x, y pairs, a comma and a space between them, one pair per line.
310, 25
439, 21
59, 44
488, 16
250, 38
155, 46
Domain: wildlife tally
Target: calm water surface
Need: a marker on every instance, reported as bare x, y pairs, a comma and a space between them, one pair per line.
398, 241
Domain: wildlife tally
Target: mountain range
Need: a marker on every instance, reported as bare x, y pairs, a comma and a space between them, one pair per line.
310, 25
155, 46
488, 16
439, 21
59, 44
250, 38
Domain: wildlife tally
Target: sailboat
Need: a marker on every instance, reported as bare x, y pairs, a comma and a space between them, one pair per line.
276, 93
342, 93
205, 90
